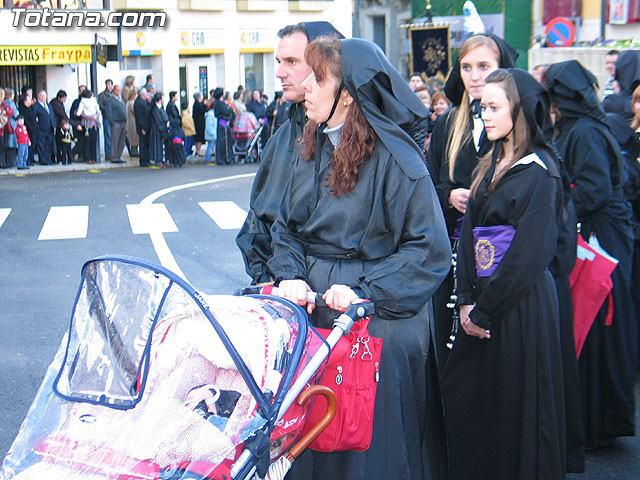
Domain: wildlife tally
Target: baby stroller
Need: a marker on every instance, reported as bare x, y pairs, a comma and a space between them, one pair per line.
245, 133
155, 381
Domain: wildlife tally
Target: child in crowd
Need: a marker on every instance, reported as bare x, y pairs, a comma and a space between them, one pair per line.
175, 146
64, 137
24, 142
210, 133
439, 104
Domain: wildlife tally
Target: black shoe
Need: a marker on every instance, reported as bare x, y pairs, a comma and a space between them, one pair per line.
23, 168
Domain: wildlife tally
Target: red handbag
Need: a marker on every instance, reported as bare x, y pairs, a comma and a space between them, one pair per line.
352, 372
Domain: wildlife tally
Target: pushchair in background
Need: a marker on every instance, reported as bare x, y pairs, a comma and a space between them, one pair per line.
246, 133
155, 381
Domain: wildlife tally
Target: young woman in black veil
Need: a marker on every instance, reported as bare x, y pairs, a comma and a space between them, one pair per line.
595, 167
360, 219
503, 383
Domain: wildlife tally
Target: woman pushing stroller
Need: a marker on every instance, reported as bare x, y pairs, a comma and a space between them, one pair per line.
360, 219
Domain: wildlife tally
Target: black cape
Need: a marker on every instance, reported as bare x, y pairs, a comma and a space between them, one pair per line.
277, 160
158, 133
224, 141
386, 239
594, 164
199, 109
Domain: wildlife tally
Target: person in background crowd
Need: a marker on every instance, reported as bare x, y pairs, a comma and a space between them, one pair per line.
258, 107
280, 112
103, 101
60, 113
424, 94
11, 142
172, 109
280, 153
26, 110
89, 110
632, 192
22, 137
78, 129
199, 109
610, 59
188, 126
117, 119
64, 137
46, 121
357, 163
238, 104
4, 120
129, 86
503, 383
229, 101
142, 114
435, 83
439, 105
149, 84
627, 78
416, 81
151, 90
159, 130
132, 135
539, 72
595, 168
224, 143
210, 133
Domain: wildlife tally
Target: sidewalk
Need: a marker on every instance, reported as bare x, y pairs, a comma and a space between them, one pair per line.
80, 166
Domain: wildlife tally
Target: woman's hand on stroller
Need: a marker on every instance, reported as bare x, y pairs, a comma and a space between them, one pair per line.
296, 291
339, 297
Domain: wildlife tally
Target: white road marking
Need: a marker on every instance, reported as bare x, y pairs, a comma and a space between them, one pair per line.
226, 214
65, 222
165, 256
150, 218
4, 213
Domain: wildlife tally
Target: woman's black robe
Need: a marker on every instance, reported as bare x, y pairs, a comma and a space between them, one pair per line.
503, 397
224, 142
199, 109
387, 240
608, 359
158, 134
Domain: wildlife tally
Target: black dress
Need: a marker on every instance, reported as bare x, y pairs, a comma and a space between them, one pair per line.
199, 109
158, 134
503, 397
387, 240
224, 142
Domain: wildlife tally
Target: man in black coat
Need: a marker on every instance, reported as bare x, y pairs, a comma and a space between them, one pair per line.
25, 107
46, 129
142, 114
57, 104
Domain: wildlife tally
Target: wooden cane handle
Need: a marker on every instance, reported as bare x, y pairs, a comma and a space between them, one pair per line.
323, 423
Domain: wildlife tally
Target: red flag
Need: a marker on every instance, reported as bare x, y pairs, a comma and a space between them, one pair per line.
590, 285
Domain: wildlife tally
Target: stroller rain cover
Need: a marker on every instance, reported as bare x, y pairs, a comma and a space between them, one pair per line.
156, 381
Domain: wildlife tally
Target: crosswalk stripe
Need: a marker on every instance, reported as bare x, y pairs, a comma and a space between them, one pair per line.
65, 222
226, 214
150, 218
4, 213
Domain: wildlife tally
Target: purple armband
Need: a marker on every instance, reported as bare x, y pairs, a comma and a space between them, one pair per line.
490, 246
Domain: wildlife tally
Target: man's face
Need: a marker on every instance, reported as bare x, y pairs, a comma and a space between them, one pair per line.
610, 64
292, 69
415, 81
109, 86
116, 90
42, 96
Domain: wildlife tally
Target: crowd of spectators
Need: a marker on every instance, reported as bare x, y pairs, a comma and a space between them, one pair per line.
54, 132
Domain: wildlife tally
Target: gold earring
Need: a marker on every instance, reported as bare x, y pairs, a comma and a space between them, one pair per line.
344, 103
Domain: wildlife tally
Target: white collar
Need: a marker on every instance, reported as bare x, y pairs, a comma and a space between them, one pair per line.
531, 158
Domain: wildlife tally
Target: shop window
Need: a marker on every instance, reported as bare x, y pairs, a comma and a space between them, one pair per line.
137, 63
561, 8
253, 71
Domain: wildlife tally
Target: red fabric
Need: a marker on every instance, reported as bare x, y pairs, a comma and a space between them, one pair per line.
353, 377
590, 285
22, 135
